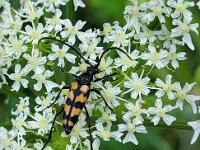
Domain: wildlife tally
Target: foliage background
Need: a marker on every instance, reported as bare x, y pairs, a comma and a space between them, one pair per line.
96, 13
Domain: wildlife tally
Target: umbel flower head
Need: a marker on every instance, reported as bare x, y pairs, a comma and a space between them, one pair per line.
43, 50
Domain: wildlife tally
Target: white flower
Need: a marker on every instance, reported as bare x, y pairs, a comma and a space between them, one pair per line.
173, 57
11, 24
165, 87
19, 145
80, 69
107, 28
158, 10
43, 102
126, 62
73, 31
18, 78
110, 94
181, 8
119, 36
41, 122
51, 5
20, 132
19, 122
6, 138
196, 127
15, 46
39, 144
95, 144
155, 58
34, 34
160, 112
22, 107
78, 3
55, 22
135, 111
105, 133
105, 66
106, 115
91, 48
61, 54
137, 85
183, 30
182, 95
34, 60
135, 13
131, 126
168, 41
146, 35
30, 11
41, 76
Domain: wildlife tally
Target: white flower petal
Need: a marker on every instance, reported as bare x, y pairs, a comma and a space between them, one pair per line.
195, 136
155, 120
141, 129
38, 86
130, 137
188, 40
169, 119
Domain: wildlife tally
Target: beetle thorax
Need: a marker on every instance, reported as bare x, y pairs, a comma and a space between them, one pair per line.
87, 77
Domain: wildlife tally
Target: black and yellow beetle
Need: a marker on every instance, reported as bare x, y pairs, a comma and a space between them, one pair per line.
79, 92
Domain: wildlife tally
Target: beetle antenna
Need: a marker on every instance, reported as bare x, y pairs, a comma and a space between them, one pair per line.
112, 48
51, 38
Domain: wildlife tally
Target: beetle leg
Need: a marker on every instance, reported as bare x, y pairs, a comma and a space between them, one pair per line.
65, 87
89, 126
110, 75
99, 93
51, 131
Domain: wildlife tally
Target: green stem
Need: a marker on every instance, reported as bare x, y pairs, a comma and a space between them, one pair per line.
174, 125
148, 123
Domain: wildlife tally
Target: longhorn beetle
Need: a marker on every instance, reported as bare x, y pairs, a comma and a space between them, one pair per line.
79, 92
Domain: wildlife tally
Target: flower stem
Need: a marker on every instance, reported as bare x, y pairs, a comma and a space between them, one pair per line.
174, 125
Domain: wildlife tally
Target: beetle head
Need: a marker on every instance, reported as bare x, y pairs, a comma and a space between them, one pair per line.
92, 70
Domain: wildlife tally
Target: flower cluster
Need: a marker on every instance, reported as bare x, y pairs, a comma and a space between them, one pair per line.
31, 68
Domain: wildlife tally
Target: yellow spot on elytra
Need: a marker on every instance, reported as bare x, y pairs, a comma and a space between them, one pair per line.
74, 85
64, 121
70, 123
67, 109
71, 95
67, 122
84, 88
81, 98
75, 112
